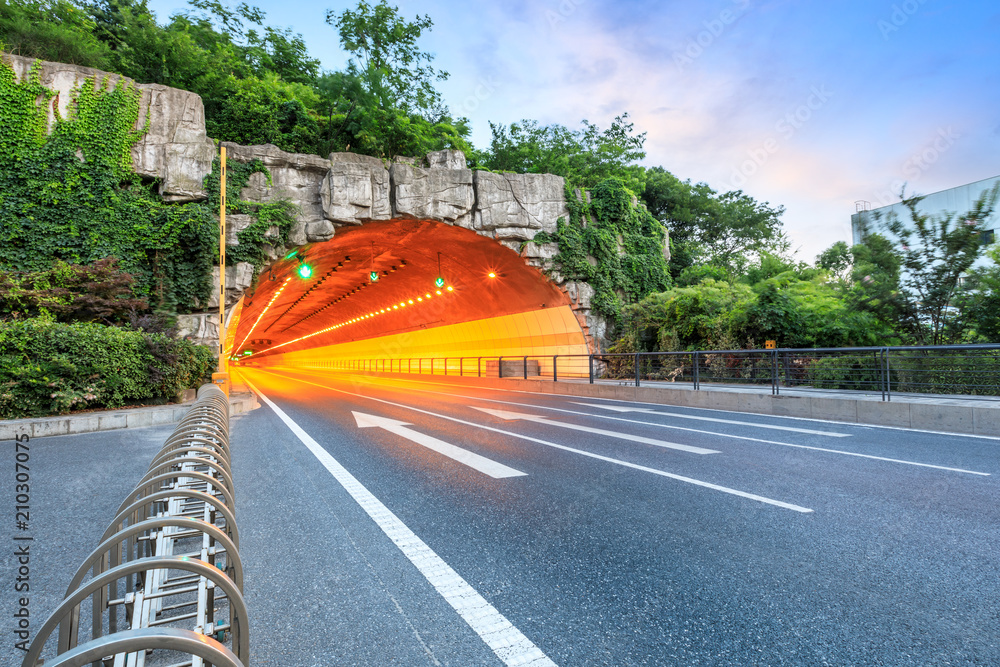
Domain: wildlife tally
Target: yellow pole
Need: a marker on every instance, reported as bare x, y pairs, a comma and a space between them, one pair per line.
222, 260
222, 377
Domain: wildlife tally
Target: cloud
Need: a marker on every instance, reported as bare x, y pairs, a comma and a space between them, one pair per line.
560, 61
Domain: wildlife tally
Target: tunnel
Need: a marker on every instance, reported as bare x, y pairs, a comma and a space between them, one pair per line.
402, 292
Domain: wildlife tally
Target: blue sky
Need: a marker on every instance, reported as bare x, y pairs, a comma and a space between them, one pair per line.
810, 105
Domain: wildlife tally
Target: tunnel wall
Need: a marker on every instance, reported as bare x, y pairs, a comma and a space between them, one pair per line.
540, 333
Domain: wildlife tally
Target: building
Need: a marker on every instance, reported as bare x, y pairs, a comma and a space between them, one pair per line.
954, 200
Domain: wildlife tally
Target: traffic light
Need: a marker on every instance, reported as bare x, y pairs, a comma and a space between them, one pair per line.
439, 281
373, 275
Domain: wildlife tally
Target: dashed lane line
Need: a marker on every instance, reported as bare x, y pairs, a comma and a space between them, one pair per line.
608, 459
507, 642
715, 433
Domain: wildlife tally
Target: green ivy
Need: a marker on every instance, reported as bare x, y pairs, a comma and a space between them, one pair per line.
612, 243
71, 195
254, 239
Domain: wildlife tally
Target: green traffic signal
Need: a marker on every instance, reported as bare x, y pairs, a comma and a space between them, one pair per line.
439, 281
374, 276
305, 271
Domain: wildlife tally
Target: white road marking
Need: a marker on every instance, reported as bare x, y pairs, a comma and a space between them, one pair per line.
695, 430
471, 459
737, 437
616, 408
510, 416
691, 407
506, 641
554, 445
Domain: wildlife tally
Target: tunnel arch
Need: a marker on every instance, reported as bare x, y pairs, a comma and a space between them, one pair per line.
489, 302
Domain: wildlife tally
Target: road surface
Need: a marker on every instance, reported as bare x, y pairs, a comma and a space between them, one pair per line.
390, 521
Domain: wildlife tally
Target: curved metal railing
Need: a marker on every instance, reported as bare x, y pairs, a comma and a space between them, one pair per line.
165, 584
972, 371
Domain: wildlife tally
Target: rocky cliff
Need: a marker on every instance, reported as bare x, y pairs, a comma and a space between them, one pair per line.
342, 189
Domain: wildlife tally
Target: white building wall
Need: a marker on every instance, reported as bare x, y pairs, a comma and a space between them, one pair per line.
954, 200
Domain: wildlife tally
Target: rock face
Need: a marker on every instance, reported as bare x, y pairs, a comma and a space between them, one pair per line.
294, 176
432, 194
344, 189
238, 279
200, 328
63, 79
236, 223
517, 206
355, 189
446, 159
175, 149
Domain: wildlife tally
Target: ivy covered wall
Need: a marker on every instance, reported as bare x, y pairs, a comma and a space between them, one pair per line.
611, 242
68, 192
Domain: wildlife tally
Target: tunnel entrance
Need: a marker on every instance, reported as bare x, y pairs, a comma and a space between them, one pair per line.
401, 289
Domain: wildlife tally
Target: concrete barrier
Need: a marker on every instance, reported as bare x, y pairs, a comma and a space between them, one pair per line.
112, 420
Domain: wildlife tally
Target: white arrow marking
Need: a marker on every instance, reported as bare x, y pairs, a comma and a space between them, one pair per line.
504, 414
471, 459
521, 436
616, 408
506, 641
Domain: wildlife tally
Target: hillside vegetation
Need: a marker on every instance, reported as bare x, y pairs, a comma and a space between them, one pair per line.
731, 280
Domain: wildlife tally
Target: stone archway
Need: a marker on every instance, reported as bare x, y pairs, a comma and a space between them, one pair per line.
348, 191
332, 194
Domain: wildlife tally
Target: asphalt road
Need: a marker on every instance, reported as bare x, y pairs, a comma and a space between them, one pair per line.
399, 522
392, 522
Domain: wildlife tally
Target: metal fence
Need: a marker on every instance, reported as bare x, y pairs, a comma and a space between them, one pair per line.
165, 584
968, 370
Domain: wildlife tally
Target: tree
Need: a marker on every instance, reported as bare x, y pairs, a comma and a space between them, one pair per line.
386, 56
730, 230
937, 251
585, 157
51, 30
875, 283
71, 292
837, 261
979, 304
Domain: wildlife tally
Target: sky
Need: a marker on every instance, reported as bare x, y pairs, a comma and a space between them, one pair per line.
809, 105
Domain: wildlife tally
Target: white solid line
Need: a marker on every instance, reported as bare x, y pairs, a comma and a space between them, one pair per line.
471, 459
581, 452
504, 414
686, 407
506, 641
695, 430
542, 420
775, 427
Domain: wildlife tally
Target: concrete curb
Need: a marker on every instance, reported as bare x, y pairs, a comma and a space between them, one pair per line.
923, 414
113, 420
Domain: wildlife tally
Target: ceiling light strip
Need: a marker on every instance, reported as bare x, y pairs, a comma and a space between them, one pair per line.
375, 313
276, 295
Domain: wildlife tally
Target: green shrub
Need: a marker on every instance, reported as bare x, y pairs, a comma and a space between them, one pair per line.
940, 372
848, 371
50, 368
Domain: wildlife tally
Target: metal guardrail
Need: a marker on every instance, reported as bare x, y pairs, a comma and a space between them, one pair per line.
165, 584
967, 370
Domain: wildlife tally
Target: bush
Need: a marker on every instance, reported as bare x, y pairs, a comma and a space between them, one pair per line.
845, 371
51, 368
